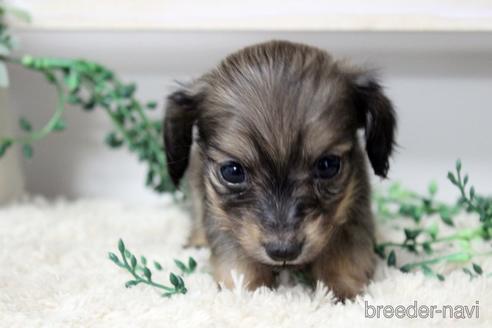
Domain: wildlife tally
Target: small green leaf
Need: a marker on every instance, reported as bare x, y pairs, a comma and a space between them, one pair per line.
394, 190
120, 116
151, 105
180, 282
468, 272
113, 141
458, 165
25, 125
411, 248
74, 99
191, 264
472, 193
150, 178
446, 217
427, 247
411, 211
131, 283
27, 61
477, 268
4, 146
433, 230
181, 265
432, 188
133, 261
50, 77
406, 268
174, 280
113, 257
391, 258
90, 104
465, 180
427, 271
147, 273
27, 151
59, 125
157, 265
452, 178
128, 254
143, 259
128, 90
411, 234
72, 80
379, 249
121, 246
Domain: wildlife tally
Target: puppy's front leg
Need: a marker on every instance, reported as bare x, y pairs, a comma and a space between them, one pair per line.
347, 266
197, 237
255, 274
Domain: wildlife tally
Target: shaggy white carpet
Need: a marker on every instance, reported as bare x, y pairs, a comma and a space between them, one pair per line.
54, 272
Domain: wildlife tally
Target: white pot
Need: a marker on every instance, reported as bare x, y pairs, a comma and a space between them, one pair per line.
11, 177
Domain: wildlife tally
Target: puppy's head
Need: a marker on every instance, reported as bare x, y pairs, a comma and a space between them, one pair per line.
277, 130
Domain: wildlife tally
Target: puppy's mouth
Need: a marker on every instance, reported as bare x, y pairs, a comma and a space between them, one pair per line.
286, 265
292, 265
283, 264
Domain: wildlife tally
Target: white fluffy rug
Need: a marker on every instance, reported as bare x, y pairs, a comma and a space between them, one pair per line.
54, 272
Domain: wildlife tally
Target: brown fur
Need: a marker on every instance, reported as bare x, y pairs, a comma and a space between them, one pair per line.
276, 108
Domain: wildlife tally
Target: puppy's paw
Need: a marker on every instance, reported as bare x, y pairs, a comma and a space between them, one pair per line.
231, 272
346, 273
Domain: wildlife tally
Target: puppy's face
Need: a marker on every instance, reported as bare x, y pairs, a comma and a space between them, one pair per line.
277, 131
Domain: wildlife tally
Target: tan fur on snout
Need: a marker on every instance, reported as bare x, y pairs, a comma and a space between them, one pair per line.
250, 238
277, 110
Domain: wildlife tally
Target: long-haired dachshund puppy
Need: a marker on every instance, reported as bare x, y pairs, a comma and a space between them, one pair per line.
277, 172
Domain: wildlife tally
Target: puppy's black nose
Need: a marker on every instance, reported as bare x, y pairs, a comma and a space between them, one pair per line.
281, 251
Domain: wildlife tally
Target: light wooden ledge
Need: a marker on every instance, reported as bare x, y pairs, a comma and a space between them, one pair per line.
254, 15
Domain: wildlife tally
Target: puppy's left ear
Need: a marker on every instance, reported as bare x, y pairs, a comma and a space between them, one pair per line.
377, 117
180, 117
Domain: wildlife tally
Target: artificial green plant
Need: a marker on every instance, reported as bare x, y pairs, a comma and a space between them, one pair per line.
142, 274
91, 87
422, 238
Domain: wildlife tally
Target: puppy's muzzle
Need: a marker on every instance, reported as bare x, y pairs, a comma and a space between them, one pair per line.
283, 251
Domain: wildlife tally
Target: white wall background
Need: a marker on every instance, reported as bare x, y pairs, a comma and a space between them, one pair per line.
441, 84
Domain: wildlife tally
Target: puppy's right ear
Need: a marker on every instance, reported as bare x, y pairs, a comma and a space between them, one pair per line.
181, 114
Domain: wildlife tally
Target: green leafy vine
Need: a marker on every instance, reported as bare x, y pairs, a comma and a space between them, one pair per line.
401, 203
142, 274
89, 85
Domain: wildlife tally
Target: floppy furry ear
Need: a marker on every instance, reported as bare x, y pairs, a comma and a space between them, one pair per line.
378, 118
180, 116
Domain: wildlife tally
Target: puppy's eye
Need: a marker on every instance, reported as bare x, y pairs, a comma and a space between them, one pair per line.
233, 172
328, 166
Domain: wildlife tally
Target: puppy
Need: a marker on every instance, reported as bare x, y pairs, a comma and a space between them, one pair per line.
277, 173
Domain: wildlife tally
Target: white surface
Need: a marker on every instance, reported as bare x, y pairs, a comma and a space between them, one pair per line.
439, 82
400, 15
55, 273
